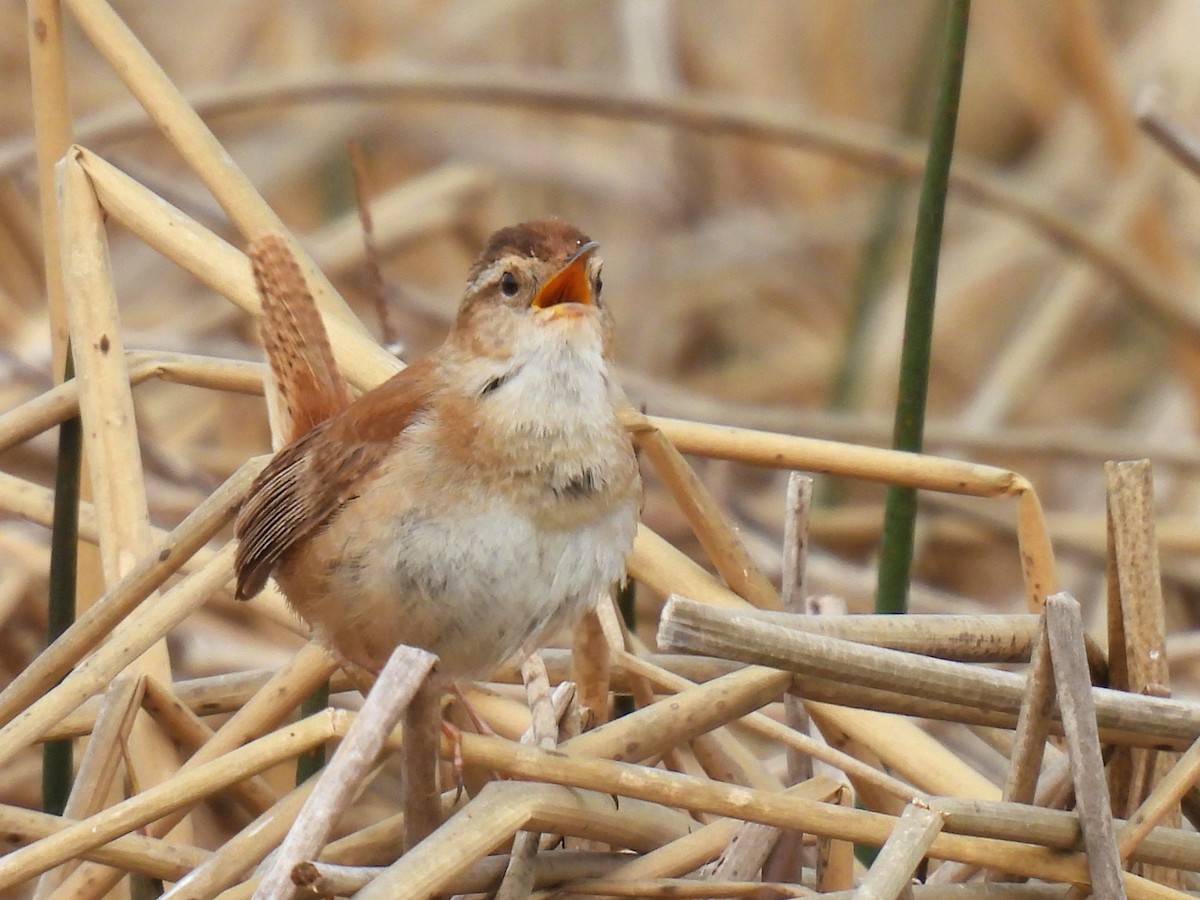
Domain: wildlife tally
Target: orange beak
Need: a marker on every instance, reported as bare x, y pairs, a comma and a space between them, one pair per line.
570, 284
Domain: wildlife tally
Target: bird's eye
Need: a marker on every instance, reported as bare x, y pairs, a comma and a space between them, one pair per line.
599, 285
508, 284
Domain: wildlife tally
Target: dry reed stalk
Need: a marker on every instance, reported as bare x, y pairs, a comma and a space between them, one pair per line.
591, 668
61, 402
219, 265
684, 888
671, 789
422, 712
401, 680
110, 432
1064, 630
139, 632
188, 134
1160, 805
198, 741
835, 859
206, 696
687, 853
966, 638
98, 765
1005, 822
798, 506
242, 852
906, 750
1137, 631
53, 134
179, 791
695, 711
147, 575
505, 808
1155, 119
891, 873
1136, 615
520, 875
719, 752
661, 567
756, 121
887, 466
1079, 443
553, 868
787, 856
699, 628
767, 727
720, 542
1033, 723
745, 854
131, 852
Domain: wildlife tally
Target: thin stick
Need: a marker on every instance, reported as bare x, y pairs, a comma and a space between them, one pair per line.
520, 875
1167, 132
1065, 632
1033, 724
720, 542
891, 874
401, 679
698, 628
835, 859
785, 451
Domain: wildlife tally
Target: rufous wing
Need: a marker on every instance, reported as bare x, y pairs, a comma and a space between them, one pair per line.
312, 478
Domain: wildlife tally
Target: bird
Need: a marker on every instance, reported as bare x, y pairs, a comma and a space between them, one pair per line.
473, 503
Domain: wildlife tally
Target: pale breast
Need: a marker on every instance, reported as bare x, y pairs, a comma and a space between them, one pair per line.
475, 556
473, 589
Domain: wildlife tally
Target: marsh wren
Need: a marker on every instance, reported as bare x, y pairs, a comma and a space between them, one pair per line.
475, 501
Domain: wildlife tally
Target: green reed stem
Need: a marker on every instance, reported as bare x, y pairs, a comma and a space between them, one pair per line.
899, 524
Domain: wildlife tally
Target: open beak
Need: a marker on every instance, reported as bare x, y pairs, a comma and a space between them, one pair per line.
570, 284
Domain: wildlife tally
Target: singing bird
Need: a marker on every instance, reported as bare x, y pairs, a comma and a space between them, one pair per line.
474, 502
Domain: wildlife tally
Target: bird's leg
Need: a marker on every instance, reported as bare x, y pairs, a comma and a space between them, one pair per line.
481, 727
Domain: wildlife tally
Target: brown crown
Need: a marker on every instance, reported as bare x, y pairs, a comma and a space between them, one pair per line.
546, 239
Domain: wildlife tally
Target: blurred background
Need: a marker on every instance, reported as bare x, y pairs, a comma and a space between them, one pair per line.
756, 219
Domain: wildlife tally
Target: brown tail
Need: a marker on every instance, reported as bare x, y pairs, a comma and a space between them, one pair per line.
311, 387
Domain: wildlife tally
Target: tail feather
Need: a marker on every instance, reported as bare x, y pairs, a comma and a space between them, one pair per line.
309, 386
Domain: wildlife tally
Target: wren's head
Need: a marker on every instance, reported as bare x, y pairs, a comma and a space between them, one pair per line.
535, 284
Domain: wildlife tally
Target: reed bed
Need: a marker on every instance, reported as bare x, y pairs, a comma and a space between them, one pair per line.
737, 726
